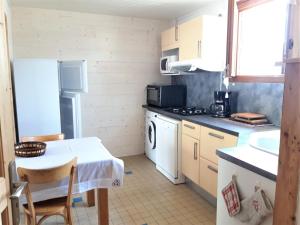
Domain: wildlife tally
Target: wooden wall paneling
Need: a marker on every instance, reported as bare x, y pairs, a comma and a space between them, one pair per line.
289, 156
3, 200
122, 54
7, 130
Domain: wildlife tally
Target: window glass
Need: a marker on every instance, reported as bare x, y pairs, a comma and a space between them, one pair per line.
261, 38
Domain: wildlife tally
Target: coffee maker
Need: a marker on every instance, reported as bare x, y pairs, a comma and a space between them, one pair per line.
222, 106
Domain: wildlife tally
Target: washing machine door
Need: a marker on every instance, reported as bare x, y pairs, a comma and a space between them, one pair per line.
151, 135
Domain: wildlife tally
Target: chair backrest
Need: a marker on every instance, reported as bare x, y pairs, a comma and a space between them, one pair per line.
51, 137
44, 176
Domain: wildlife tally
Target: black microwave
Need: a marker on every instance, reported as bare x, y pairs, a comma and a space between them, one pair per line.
165, 96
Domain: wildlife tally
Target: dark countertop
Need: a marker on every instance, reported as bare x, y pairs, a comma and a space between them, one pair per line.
221, 124
259, 162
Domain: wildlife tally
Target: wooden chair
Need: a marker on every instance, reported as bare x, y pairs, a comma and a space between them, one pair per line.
52, 137
45, 209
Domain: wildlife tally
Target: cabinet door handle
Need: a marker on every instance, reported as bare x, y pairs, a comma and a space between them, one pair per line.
212, 169
199, 48
189, 126
176, 32
195, 150
216, 135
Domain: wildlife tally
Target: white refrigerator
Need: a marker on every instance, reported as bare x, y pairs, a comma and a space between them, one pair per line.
47, 96
37, 96
70, 115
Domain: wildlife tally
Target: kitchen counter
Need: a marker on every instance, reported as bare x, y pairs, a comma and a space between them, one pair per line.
257, 161
222, 124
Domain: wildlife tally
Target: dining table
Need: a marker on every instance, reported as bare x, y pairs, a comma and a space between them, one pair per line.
96, 170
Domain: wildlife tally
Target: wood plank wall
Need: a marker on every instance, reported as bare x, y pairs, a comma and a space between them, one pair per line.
287, 189
7, 131
123, 57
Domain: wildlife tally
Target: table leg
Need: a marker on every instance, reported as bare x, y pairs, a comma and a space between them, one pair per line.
90, 198
102, 195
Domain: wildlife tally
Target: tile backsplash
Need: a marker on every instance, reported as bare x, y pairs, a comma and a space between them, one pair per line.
265, 98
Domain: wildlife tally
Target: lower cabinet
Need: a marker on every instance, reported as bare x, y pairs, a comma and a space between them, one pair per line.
208, 176
199, 158
190, 158
211, 140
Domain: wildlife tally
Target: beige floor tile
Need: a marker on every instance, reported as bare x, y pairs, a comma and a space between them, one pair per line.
147, 197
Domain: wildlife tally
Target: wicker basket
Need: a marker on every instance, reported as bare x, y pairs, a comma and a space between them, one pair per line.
30, 149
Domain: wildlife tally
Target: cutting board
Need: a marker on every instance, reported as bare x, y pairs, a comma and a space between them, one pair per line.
250, 118
253, 122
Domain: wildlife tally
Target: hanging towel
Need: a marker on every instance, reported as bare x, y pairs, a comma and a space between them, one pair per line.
231, 198
255, 208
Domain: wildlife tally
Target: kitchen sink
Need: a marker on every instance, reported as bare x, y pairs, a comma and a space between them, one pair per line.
267, 141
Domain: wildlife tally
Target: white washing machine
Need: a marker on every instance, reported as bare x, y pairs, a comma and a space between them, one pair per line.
150, 135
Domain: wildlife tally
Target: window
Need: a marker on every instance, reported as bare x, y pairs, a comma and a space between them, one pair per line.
256, 40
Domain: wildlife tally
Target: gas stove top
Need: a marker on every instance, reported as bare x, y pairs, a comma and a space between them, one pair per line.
189, 111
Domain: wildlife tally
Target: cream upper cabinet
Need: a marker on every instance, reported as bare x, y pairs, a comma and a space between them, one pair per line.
190, 158
211, 140
295, 31
170, 39
204, 38
190, 39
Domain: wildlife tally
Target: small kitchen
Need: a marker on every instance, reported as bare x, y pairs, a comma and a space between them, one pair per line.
161, 112
225, 134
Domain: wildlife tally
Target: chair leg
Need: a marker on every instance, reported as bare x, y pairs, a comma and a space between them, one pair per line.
69, 216
65, 215
66, 219
33, 221
27, 219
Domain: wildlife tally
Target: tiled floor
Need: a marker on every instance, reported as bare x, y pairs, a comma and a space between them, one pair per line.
147, 197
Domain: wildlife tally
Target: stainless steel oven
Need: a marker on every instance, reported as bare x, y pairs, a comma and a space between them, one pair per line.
165, 96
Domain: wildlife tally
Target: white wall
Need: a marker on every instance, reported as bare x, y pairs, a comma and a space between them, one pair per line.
123, 57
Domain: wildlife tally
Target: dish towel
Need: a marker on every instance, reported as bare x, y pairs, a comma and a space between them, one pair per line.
231, 198
255, 208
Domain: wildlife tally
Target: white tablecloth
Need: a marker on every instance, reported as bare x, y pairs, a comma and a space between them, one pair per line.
96, 167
